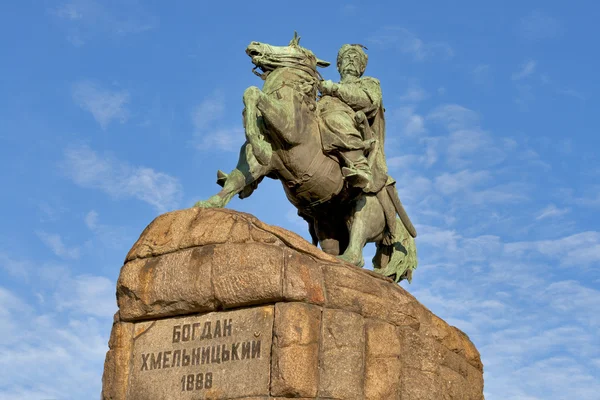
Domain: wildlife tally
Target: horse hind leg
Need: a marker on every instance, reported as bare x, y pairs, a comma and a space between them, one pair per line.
367, 224
331, 238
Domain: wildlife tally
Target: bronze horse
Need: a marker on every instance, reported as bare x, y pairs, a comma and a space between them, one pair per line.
283, 142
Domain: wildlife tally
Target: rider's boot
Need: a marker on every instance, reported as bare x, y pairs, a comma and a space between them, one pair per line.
357, 173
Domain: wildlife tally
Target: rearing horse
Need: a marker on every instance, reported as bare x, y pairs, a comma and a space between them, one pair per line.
283, 142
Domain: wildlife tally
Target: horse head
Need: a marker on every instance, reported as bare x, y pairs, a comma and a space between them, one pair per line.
268, 57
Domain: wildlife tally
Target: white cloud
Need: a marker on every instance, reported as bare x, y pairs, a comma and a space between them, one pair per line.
409, 123
208, 111
454, 116
349, 9
524, 96
38, 342
482, 74
15, 268
450, 183
408, 161
85, 294
527, 68
222, 139
552, 211
470, 145
408, 43
113, 237
414, 94
580, 249
574, 298
119, 179
538, 26
467, 143
91, 220
55, 243
69, 11
85, 20
504, 193
105, 105
206, 136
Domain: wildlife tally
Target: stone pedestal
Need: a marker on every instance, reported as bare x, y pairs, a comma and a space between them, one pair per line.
214, 304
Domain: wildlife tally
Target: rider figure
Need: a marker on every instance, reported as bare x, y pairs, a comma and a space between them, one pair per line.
343, 108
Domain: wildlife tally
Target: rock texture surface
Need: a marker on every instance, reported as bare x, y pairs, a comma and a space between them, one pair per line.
321, 329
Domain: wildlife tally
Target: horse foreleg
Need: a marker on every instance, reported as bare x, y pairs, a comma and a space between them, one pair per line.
281, 117
247, 171
260, 147
367, 224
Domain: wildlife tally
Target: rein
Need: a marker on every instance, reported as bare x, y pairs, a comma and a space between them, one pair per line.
289, 61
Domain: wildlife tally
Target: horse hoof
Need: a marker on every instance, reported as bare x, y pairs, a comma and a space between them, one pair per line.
354, 260
210, 203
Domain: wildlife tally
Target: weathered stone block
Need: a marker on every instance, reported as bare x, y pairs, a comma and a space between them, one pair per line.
295, 370
382, 360
116, 366
247, 274
303, 279
194, 227
167, 285
452, 338
421, 385
342, 355
368, 294
420, 352
220, 355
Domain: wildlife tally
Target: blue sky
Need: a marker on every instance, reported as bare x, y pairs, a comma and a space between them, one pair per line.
112, 112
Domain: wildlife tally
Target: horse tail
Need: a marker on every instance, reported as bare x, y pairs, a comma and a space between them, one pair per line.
397, 260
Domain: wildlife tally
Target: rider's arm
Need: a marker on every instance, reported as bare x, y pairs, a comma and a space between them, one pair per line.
364, 96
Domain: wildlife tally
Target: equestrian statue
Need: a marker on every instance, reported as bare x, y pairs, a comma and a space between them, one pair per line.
324, 141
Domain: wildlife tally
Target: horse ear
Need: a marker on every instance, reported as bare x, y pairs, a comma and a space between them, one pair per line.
322, 63
295, 40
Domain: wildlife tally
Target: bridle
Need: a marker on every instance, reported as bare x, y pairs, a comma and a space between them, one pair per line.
270, 62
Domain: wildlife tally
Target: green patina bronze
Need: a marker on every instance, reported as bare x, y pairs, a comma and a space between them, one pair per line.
324, 141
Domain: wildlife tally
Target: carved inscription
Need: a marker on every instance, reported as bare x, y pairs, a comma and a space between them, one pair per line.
216, 355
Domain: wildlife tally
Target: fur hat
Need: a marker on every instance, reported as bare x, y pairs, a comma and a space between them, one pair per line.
358, 48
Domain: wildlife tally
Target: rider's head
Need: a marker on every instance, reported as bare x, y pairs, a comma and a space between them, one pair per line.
352, 60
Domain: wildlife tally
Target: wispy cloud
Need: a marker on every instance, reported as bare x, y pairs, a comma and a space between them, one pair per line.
551, 211
454, 116
87, 294
482, 74
70, 11
104, 104
37, 341
408, 121
14, 267
206, 135
56, 244
527, 68
349, 9
208, 111
408, 43
414, 94
91, 220
538, 25
119, 179
524, 96
580, 249
85, 20
113, 237
466, 142
450, 183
